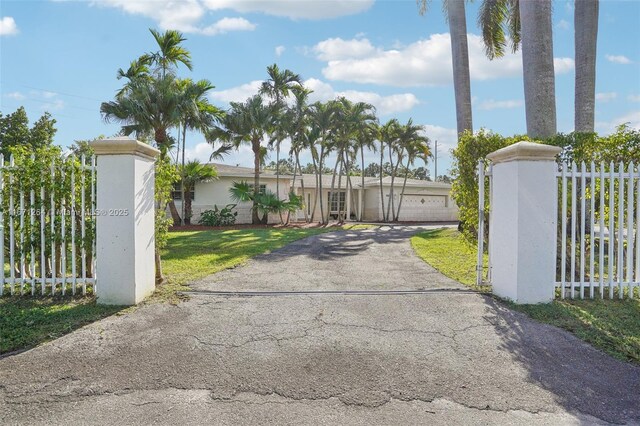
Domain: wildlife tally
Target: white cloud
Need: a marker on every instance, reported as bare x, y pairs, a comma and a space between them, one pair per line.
335, 49
8, 26
618, 59
15, 95
634, 98
447, 138
201, 151
187, 15
507, 104
236, 94
280, 50
606, 96
632, 118
422, 63
385, 105
226, 25
563, 24
298, 9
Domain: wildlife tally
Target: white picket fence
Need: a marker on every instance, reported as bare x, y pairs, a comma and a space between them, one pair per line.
599, 230
47, 226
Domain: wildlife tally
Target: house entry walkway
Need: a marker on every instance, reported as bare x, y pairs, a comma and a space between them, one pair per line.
307, 343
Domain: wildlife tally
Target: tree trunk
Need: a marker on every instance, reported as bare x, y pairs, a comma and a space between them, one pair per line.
404, 185
318, 189
187, 207
304, 210
255, 219
381, 188
361, 205
586, 38
390, 203
332, 194
460, 59
340, 220
293, 186
537, 64
159, 277
182, 206
175, 216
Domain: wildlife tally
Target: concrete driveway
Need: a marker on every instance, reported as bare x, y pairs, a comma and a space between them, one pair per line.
342, 328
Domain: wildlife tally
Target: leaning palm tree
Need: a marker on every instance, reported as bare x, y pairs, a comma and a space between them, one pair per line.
250, 123
322, 127
455, 12
586, 38
194, 172
277, 87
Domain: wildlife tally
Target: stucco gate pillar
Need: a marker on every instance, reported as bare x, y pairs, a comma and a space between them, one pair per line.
125, 220
523, 222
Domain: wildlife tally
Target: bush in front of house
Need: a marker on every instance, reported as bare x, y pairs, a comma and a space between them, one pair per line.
219, 217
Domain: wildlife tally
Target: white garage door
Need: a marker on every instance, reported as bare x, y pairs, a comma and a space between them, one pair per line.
418, 208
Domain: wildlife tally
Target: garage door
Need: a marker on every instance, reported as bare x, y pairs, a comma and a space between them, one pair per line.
418, 208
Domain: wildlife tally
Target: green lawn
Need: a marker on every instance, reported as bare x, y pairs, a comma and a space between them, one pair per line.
610, 325
28, 321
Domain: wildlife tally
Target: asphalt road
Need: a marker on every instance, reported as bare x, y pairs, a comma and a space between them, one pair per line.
342, 328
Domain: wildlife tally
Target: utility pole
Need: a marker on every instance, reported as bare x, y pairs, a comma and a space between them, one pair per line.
435, 179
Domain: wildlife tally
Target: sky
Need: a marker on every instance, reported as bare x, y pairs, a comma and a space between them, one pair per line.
62, 56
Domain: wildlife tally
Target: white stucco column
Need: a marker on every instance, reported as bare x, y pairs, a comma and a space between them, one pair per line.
125, 220
523, 229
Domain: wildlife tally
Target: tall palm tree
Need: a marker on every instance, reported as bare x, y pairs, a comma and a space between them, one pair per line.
322, 117
197, 114
388, 134
249, 122
586, 38
277, 87
455, 13
192, 173
537, 64
415, 145
295, 123
171, 51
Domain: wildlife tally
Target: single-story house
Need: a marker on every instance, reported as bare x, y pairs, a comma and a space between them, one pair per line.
423, 201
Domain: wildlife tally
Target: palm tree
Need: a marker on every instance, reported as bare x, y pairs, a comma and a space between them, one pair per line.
322, 124
192, 173
387, 134
586, 38
277, 87
363, 118
537, 64
416, 146
249, 122
455, 13
197, 114
171, 52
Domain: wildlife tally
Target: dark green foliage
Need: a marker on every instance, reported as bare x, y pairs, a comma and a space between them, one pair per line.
15, 131
219, 217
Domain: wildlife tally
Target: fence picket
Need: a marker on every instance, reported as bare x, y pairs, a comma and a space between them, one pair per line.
83, 255
573, 228
563, 264
629, 258
592, 224
2, 278
620, 254
583, 187
74, 271
53, 232
611, 227
22, 257
601, 240
12, 270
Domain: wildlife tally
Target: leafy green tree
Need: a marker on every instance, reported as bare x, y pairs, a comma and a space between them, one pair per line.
15, 131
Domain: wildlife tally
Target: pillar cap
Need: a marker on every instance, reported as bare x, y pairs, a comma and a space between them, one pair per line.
525, 151
123, 146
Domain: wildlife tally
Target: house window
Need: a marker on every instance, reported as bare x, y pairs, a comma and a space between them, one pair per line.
333, 201
263, 188
176, 193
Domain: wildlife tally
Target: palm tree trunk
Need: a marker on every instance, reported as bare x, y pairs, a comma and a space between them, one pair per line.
586, 38
184, 134
187, 207
340, 192
381, 188
460, 59
255, 219
304, 211
537, 64
390, 203
293, 186
278, 175
404, 185
332, 194
319, 175
361, 206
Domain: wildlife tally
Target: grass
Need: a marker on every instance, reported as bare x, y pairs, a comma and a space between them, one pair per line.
613, 326
27, 321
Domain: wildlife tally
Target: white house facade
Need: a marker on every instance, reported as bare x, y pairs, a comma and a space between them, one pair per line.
422, 201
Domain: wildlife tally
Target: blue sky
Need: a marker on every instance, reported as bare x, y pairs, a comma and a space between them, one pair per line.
62, 57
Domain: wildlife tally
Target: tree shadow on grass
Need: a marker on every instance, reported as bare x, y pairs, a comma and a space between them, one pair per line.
581, 377
26, 322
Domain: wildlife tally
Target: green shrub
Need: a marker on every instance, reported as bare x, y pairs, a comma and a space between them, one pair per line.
219, 217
